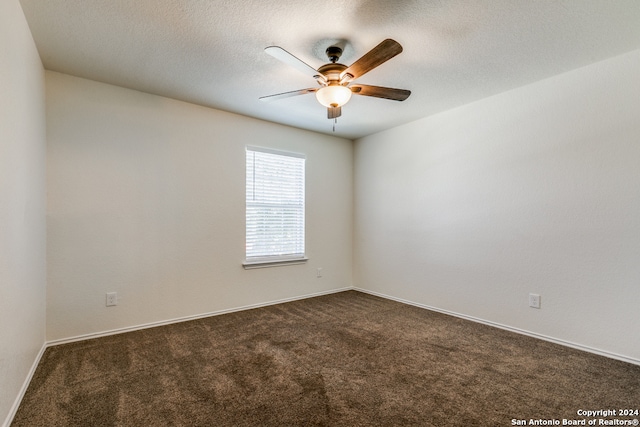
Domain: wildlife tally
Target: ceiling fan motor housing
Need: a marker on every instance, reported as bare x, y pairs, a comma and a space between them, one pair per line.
332, 71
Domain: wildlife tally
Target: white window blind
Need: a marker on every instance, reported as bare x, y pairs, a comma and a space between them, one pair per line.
275, 205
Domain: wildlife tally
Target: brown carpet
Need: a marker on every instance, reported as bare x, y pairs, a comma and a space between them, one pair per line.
347, 359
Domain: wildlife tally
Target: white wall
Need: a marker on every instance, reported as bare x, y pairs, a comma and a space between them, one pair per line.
146, 198
534, 190
22, 204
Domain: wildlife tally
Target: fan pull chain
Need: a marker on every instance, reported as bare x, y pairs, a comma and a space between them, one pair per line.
334, 124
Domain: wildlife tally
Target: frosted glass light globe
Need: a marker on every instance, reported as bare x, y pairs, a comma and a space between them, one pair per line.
333, 95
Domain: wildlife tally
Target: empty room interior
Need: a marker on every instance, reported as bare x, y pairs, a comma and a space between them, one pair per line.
465, 246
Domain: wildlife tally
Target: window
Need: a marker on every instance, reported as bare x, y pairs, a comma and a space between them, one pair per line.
275, 208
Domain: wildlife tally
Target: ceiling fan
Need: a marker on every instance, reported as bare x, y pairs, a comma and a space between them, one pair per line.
336, 80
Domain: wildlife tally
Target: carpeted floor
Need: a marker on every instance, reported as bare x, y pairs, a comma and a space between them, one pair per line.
347, 359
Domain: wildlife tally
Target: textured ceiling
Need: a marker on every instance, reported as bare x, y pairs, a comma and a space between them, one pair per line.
211, 52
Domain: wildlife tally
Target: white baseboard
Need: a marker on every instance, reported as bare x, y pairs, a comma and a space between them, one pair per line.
187, 318
508, 328
23, 389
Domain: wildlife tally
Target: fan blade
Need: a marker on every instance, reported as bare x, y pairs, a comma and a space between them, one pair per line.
376, 56
284, 56
334, 112
287, 94
381, 92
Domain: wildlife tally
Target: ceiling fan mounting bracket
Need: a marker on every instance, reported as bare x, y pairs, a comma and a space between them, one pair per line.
334, 53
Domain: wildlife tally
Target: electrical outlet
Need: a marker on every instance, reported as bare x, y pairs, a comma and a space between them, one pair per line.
319, 272
112, 299
534, 300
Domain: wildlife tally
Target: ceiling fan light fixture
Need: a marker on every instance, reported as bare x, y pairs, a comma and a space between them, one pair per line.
335, 78
333, 95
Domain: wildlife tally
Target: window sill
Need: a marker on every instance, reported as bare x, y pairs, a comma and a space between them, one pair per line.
250, 265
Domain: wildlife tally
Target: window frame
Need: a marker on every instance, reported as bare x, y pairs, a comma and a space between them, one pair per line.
282, 259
